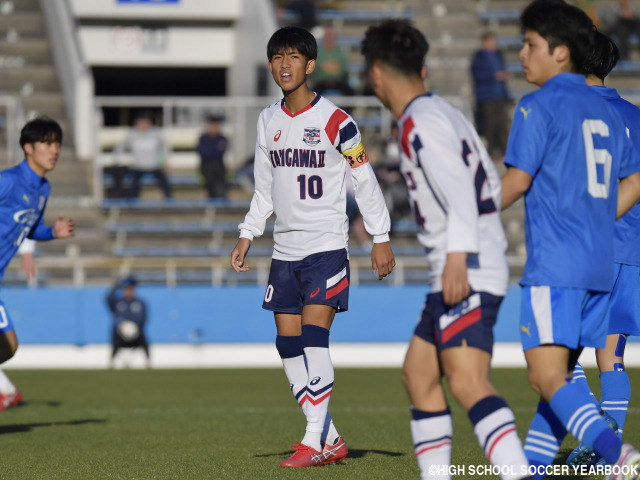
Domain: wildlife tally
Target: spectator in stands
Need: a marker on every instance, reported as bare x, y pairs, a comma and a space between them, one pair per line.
331, 76
129, 318
590, 8
211, 147
149, 153
492, 98
390, 178
305, 14
626, 24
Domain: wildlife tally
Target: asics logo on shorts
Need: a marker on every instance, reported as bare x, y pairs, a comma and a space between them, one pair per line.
315, 292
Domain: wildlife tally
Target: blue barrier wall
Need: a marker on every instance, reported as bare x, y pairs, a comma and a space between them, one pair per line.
199, 314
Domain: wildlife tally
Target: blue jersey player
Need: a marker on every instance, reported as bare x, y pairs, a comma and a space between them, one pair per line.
624, 307
567, 150
23, 197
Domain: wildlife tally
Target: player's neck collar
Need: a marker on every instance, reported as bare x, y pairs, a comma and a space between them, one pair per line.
308, 107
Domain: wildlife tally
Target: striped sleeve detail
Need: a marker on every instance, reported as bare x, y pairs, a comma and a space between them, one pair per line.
333, 125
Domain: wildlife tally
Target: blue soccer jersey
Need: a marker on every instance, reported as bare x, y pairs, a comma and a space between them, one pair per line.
23, 196
574, 145
627, 231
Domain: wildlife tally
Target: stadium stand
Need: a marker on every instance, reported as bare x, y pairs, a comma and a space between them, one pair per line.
188, 239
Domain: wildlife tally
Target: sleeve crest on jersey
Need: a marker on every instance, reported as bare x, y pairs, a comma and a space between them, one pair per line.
357, 156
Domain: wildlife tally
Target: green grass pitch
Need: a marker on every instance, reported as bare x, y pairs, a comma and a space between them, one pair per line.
225, 424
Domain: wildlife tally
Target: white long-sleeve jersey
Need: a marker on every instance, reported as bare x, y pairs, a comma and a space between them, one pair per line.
454, 191
300, 176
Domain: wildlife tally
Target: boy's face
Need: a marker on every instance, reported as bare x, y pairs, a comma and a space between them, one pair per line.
538, 64
42, 156
290, 69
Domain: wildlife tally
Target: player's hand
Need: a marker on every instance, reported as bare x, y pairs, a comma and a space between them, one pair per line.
28, 265
238, 254
455, 284
382, 259
63, 228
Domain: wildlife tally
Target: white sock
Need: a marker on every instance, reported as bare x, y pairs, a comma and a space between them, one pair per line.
6, 387
495, 429
431, 433
319, 390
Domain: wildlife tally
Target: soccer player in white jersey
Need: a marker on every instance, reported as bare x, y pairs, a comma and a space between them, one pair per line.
454, 191
569, 155
624, 304
303, 143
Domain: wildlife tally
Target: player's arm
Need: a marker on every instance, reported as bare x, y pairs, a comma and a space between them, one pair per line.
261, 204
514, 184
629, 185
453, 185
27, 259
628, 193
526, 148
455, 281
63, 228
371, 203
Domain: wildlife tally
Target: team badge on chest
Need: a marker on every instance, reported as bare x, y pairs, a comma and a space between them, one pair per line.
311, 136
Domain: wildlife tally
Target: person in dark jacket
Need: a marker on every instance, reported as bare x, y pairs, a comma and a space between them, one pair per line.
211, 147
492, 98
129, 318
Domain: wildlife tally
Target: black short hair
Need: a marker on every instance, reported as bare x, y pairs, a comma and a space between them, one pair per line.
397, 44
561, 24
41, 129
603, 58
295, 38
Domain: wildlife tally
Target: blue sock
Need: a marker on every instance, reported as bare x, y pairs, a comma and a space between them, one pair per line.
580, 378
544, 437
616, 393
572, 406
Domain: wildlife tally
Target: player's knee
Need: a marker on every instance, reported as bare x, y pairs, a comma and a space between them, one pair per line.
463, 385
7, 351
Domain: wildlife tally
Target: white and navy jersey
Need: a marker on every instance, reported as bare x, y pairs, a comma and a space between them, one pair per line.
454, 191
300, 176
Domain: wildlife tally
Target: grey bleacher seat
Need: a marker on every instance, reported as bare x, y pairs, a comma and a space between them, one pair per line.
175, 203
175, 179
176, 227
500, 15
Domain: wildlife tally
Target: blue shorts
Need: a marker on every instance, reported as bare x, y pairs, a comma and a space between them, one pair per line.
572, 317
470, 322
319, 279
624, 305
5, 321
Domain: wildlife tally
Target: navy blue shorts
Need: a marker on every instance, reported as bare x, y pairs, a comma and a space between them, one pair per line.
319, 279
470, 322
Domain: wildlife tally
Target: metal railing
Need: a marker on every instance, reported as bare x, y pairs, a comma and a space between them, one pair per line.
13, 121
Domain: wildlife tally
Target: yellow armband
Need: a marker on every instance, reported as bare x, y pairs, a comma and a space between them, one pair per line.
357, 156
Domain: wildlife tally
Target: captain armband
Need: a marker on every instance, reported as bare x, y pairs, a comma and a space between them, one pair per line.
357, 156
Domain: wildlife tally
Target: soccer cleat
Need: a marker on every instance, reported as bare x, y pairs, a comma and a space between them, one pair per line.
304, 456
335, 452
583, 455
627, 467
8, 400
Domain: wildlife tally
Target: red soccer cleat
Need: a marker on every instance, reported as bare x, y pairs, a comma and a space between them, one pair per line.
8, 400
304, 456
333, 453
